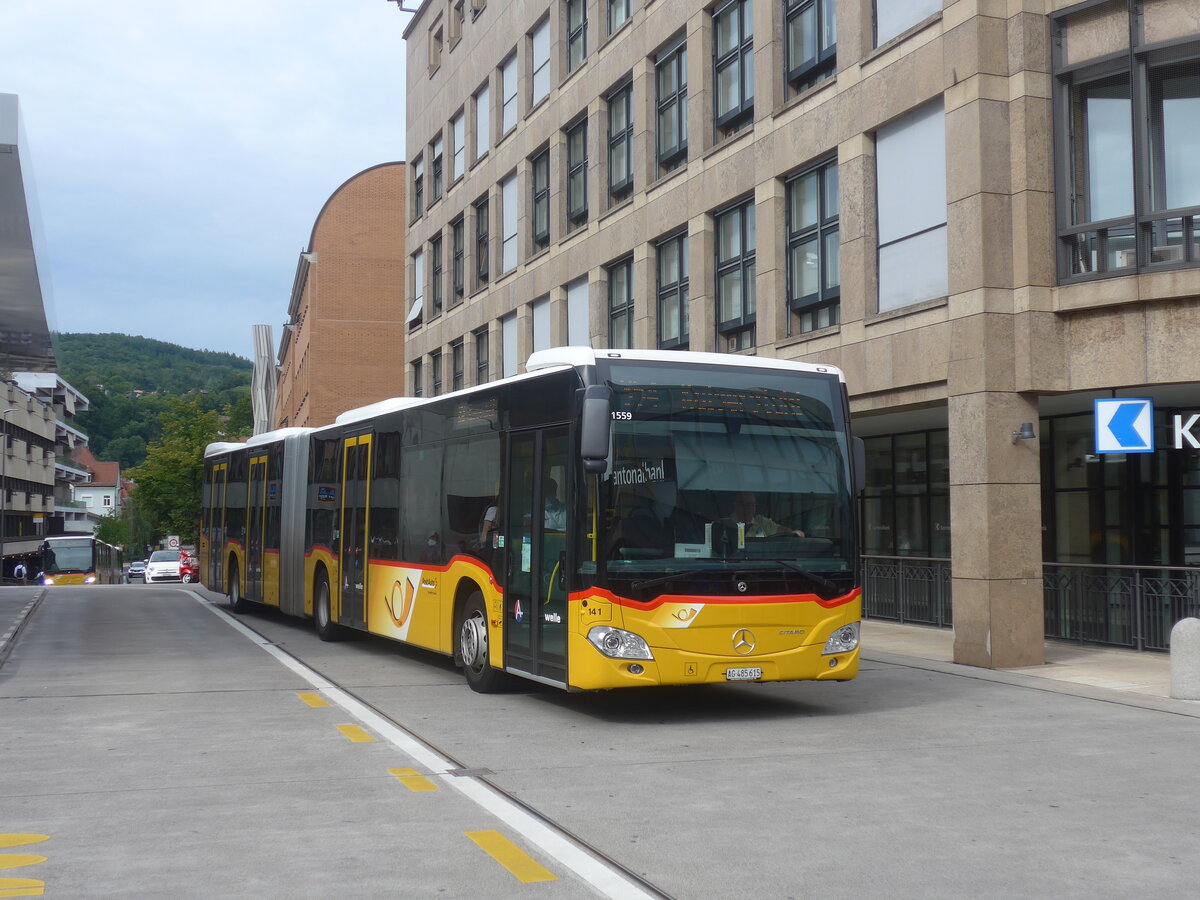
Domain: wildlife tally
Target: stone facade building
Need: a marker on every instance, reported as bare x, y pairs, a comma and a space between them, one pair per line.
984, 211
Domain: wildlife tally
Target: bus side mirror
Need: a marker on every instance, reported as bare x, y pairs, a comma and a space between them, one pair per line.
595, 425
860, 464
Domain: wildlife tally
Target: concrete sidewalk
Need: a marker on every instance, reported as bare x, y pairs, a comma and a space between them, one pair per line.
1071, 668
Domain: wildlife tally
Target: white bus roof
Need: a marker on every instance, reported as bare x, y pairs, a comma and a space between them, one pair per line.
268, 436
588, 356
219, 447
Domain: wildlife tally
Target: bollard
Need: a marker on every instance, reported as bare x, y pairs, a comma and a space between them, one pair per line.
1185, 660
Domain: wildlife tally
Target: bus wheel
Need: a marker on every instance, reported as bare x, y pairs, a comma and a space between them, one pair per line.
327, 629
473, 648
237, 603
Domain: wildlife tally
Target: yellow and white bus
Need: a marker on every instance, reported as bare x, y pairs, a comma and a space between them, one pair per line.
610, 518
79, 559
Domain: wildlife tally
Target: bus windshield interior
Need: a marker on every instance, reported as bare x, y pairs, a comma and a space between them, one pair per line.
738, 487
63, 557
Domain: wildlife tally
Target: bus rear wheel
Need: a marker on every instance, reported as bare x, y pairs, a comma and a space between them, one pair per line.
327, 629
473, 648
237, 603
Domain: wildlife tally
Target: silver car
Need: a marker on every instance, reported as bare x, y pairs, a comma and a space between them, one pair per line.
163, 565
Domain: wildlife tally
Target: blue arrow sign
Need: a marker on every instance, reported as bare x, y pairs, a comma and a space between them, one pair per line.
1125, 425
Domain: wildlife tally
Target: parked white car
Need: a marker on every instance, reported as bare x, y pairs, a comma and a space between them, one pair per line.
163, 565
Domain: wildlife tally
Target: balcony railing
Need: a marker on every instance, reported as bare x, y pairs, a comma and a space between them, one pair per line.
1116, 606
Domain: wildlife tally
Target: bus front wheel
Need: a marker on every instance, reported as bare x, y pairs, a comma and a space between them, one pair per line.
473, 648
327, 629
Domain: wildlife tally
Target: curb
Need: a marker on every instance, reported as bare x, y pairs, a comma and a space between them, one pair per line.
9, 639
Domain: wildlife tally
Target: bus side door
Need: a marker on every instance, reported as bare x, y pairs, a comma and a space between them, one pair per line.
255, 527
216, 540
535, 610
352, 552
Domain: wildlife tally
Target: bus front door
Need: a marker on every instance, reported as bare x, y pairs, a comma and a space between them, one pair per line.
535, 524
216, 541
352, 562
255, 523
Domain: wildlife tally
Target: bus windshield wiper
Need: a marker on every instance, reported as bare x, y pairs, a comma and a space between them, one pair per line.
821, 580
675, 576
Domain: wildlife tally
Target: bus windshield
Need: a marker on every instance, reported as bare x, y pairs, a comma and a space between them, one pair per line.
738, 486
67, 556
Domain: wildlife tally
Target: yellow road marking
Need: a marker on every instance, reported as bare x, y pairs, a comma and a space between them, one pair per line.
20, 840
415, 782
512, 857
16, 860
21, 887
313, 700
356, 734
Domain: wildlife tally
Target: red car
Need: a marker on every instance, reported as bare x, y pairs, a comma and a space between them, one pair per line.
189, 569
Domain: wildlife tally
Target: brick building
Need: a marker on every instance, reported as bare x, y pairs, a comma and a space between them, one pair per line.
343, 344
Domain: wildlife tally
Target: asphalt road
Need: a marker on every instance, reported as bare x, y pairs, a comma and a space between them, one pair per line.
164, 752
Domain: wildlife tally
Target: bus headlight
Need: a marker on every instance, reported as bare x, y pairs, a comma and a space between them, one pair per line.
843, 640
619, 644
91, 579
47, 580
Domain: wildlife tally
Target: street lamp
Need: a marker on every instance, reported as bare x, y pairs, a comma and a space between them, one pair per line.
3, 486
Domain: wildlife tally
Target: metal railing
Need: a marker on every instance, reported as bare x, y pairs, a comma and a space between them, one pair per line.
1115, 606
912, 589
1118, 606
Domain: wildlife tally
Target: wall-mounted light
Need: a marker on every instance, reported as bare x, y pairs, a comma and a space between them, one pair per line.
1025, 433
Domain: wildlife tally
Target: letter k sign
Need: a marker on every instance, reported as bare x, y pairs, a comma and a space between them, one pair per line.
1184, 432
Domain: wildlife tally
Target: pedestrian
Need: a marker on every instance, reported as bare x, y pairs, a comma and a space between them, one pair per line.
20, 573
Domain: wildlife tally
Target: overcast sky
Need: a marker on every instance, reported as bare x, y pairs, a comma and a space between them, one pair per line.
181, 151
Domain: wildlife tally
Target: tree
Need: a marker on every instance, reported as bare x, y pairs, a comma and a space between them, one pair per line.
168, 482
113, 530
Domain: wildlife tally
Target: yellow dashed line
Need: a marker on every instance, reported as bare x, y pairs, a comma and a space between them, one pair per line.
412, 780
21, 887
313, 700
356, 734
512, 857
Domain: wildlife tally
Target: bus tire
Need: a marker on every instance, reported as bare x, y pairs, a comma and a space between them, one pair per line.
473, 648
327, 629
237, 603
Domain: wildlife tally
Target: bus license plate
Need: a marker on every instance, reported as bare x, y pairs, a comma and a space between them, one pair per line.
746, 674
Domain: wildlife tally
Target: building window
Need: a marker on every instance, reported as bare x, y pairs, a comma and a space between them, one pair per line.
435, 49
435, 286
814, 249
910, 159
733, 65
1110, 223
483, 122
540, 169
508, 94
435, 170
620, 143
508, 346
579, 324
457, 375
895, 16
456, 22
906, 501
482, 269
457, 147
413, 319
576, 33
418, 381
672, 255
671, 79
418, 170
736, 277
458, 251
107, 500
539, 319
477, 7
481, 356
811, 27
618, 12
577, 206
539, 82
620, 304
508, 214
435, 372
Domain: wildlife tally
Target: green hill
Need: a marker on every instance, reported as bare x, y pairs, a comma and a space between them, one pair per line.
130, 381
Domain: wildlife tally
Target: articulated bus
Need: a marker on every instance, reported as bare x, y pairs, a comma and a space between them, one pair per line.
79, 559
610, 518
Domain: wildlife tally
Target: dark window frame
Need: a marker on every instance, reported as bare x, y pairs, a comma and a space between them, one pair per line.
482, 336
457, 366
679, 289
811, 70
483, 261
739, 329
673, 103
539, 182
458, 250
620, 142
620, 309
435, 272
577, 36
822, 309
577, 167
737, 117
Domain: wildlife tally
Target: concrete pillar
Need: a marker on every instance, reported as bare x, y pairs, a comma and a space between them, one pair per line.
1185, 660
